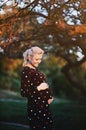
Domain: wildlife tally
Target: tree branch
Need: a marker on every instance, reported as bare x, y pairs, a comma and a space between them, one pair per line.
73, 29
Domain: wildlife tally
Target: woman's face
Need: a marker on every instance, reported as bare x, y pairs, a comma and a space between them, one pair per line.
36, 59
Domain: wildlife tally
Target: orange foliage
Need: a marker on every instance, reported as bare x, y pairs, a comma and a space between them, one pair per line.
73, 29
16, 24
10, 64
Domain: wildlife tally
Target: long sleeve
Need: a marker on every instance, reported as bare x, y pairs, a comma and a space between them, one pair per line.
27, 87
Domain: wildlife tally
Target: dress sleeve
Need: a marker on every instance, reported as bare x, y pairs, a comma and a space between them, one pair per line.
27, 87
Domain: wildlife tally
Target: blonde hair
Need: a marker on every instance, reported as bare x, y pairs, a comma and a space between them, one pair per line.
31, 52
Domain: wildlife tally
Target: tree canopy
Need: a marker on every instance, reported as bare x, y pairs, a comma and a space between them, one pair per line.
58, 26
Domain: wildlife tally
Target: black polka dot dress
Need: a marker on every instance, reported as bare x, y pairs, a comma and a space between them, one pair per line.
39, 114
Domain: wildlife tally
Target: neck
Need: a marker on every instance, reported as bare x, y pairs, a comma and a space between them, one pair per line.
29, 64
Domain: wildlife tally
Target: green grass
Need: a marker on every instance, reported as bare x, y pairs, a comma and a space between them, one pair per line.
7, 127
68, 115
11, 109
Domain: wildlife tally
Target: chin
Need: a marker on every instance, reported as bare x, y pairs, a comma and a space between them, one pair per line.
36, 65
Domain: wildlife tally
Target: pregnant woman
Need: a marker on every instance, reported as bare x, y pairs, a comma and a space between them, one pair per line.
37, 91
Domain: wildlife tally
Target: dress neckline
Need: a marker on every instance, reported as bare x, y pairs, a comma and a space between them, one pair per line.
30, 67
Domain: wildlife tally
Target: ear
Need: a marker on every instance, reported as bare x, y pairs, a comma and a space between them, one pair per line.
29, 58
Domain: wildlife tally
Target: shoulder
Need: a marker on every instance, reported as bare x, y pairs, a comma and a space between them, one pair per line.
28, 70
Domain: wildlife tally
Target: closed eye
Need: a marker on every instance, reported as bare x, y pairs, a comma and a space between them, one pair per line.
38, 59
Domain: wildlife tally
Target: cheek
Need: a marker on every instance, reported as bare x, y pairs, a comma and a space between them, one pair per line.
37, 62
34, 61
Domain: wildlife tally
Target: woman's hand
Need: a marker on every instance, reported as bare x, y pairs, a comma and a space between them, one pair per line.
42, 86
50, 100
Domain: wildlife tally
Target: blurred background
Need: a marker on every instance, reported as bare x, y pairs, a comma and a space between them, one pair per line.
59, 28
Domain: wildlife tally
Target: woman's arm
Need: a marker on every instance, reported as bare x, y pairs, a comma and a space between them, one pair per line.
42, 86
